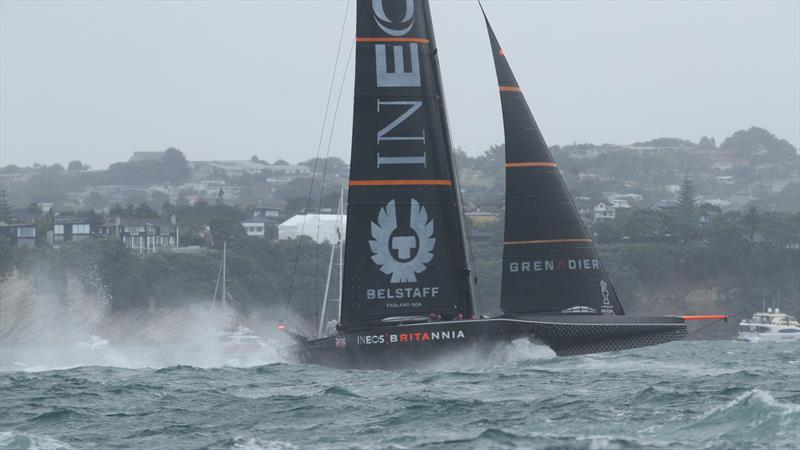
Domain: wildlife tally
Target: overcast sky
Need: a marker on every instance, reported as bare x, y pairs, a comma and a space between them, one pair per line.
96, 81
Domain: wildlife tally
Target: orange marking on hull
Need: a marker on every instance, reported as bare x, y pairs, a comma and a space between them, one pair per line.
401, 183
706, 317
546, 241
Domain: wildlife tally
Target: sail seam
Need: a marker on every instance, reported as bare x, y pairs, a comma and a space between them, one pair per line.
401, 183
545, 241
532, 164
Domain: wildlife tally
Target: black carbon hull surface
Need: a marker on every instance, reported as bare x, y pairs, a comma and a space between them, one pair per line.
419, 345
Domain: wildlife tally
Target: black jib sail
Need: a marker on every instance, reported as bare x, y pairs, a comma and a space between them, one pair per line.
405, 252
549, 262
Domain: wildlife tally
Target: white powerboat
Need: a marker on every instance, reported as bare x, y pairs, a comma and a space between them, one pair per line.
770, 326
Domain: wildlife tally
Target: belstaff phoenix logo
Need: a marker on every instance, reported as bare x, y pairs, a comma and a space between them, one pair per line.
398, 254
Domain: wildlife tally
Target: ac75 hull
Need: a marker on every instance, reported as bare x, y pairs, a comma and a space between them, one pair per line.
418, 345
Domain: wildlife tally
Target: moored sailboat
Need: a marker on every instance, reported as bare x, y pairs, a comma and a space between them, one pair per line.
407, 286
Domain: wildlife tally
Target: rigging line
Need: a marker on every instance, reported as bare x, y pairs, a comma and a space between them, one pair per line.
316, 158
325, 165
472, 276
216, 286
333, 125
714, 322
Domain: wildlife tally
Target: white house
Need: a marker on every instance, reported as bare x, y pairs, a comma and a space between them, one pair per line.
257, 226
602, 211
319, 227
203, 170
620, 203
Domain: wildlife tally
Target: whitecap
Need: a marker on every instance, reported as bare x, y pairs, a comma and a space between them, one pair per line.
29, 441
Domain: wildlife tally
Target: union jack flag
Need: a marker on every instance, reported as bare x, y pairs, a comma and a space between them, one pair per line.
341, 342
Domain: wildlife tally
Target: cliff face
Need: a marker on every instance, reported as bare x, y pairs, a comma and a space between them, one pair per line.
681, 279
704, 279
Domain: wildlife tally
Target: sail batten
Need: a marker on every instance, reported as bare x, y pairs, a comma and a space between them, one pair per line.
405, 253
550, 264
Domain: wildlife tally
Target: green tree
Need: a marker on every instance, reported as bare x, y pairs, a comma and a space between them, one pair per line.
144, 211
226, 229
5, 208
687, 199
33, 208
750, 219
76, 165
758, 141
176, 169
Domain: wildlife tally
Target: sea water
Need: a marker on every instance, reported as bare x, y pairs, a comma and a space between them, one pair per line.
690, 394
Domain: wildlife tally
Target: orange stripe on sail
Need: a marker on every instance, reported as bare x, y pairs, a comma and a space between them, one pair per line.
393, 39
401, 183
510, 89
546, 241
531, 164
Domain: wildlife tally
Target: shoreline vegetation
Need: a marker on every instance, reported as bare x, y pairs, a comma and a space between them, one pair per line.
671, 249
715, 273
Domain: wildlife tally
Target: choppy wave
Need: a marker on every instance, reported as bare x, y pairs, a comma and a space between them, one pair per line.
161, 379
13, 440
633, 399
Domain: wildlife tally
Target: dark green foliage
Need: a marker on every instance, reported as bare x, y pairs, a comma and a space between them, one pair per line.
665, 142
140, 211
5, 207
226, 229
172, 168
758, 141
687, 199
707, 143
76, 165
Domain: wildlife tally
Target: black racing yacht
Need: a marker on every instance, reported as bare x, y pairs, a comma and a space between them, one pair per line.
407, 285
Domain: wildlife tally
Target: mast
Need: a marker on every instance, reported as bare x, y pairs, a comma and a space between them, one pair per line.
405, 252
550, 264
224, 273
454, 170
341, 237
321, 327
337, 243
219, 279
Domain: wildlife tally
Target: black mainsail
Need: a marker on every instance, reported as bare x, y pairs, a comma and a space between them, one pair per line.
405, 252
550, 264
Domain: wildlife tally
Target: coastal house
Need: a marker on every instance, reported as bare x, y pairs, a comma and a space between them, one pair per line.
147, 156
604, 211
478, 217
319, 227
620, 203
285, 172
203, 170
143, 235
20, 234
258, 226
585, 208
72, 230
267, 211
